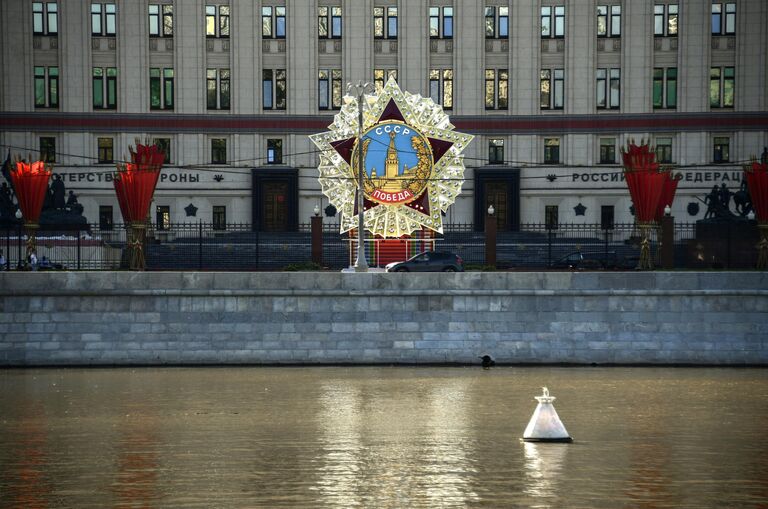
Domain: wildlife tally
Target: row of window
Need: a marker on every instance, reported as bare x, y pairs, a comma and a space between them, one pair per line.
162, 217
330, 89
329, 22
607, 150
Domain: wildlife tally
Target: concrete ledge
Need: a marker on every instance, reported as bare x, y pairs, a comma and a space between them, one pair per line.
107, 318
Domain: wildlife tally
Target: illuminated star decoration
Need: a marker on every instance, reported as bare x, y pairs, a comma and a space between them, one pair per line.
338, 178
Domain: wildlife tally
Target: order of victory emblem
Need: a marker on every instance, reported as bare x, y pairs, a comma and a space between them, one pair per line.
413, 167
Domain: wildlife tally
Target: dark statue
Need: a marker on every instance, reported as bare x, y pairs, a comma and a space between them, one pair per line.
7, 207
764, 157
718, 202
61, 208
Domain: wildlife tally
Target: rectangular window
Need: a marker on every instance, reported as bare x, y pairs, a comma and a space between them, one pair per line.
217, 89
95, 19
658, 20
53, 18
105, 150
391, 22
615, 89
545, 86
160, 89
40, 88
45, 15
154, 20
606, 217
546, 21
490, 22
266, 23
558, 99
218, 151
336, 89
323, 89
658, 87
447, 89
559, 21
434, 86
336, 22
490, 89
267, 88
503, 22
322, 22
167, 20
164, 144
672, 20
602, 86
210, 21
378, 22
672, 87
730, 18
106, 221
53, 87
275, 151
615, 21
110, 13
551, 217
98, 87
219, 217
38, 27
48, 149
602, 21
551, 150
714, 87
163, 217
728, 86
607, 151
104, 88
447, 22
224, 21
280, 26
721, 150
434, 22
496, 89
717, 19
381, 76
496, 151
664, 150
280, 89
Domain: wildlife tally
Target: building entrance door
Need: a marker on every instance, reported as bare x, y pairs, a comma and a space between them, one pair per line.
496, 193
275, 202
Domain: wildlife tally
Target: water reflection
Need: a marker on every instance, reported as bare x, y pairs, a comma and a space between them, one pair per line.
543, 465
380, 437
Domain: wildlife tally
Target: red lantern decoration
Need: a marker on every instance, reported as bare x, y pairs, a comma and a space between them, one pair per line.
30, 182
646, 186
757, 182
135, 184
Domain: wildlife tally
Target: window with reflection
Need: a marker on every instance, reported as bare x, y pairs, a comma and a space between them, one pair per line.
105, 150
552, 88
161, 88
161, 20
551, 217
106, 215
724, 18
441, 22
48, 149
496, 151
607, 150
217, 89
721, 87
496, 89
219, 217
274, 151
273, 22
104, 85
664, 150
553, 21
46, 83
45, 18
162, 217
274, 89
721, 147
218, 151
381, 76
551, 150
164, 144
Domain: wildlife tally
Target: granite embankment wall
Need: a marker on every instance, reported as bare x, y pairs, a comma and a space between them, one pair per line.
105, 318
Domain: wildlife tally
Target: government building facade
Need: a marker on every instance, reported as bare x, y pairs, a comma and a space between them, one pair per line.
551, 90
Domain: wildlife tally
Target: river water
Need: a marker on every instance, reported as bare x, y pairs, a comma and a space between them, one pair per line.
334, 437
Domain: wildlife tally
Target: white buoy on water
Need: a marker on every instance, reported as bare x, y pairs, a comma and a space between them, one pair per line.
545, 424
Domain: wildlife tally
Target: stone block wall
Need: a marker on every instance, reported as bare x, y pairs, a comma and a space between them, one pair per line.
123, 318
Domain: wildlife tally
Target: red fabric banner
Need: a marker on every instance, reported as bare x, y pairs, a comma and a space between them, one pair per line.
644, 180
135, 182
31, 183
667, 194
757, 182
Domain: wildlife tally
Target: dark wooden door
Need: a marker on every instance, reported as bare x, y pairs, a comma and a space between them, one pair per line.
496, 193
275, 206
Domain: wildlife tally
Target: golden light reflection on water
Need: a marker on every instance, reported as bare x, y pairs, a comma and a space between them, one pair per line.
381, 437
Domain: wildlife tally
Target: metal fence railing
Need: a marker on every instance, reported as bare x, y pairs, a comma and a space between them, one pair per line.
206, 246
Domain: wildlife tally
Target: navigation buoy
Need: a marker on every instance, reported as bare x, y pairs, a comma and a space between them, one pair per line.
545, 424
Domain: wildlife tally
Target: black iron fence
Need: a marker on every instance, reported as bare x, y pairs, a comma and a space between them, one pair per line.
205, 246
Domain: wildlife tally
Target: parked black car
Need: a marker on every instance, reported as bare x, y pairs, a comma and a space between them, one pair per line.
587, 260
429, 261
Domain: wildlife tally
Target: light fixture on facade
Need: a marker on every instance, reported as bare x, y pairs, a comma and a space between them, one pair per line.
491, 210
750, 216
667, 210
316, 210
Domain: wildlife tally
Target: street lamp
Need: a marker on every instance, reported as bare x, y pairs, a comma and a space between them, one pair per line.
316, 210
751, 215
358, 90
491, 210
667, 210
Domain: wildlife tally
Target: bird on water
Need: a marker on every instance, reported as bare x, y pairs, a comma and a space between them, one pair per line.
487, 361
